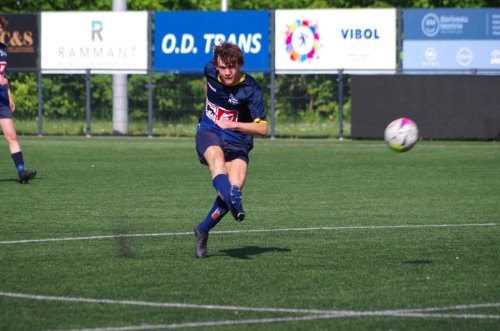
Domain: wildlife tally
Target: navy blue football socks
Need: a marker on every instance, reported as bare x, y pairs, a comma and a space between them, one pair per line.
221, 205
223, 187
219, 209
18, 161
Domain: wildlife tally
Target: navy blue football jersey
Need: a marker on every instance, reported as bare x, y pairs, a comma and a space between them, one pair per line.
239, 103
4, 98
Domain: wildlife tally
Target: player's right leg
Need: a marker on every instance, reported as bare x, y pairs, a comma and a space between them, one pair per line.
200, 249
209, 149
201, 231
7, 124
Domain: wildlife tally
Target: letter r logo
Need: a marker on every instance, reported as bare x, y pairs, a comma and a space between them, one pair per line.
96, 30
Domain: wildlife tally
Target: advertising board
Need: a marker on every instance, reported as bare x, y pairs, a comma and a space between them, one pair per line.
451, 39
183, 40
325, 40
109, 42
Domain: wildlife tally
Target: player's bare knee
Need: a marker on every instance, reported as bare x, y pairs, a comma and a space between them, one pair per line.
11, 137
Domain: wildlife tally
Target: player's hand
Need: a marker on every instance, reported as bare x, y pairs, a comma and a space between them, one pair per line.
225, 124
4, 81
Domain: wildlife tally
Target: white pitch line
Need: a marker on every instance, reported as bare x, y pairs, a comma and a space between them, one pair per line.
28, 241
206, 324
397, 312
318, 314
165, 304
457, 307
279, 319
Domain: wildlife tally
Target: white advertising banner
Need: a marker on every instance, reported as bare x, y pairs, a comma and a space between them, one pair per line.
325, 40
107, 42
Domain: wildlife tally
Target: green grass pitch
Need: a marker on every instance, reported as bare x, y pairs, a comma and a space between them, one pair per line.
339, 235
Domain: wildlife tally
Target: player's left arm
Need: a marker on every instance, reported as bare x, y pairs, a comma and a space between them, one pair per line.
11, 100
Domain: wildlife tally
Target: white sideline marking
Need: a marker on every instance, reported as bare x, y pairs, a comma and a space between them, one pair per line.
27, 241
162, 304
243, 308
271, 320
204, 324
318, 314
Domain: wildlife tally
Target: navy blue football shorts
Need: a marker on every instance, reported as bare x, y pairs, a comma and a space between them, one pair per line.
232, 151
5, 112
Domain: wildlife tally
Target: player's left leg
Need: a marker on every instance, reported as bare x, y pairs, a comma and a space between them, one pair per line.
237, 172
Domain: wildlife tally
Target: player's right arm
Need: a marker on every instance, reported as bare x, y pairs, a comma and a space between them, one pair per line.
256, 128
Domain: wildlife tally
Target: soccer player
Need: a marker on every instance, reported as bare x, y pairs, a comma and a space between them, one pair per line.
7, 107
234, 113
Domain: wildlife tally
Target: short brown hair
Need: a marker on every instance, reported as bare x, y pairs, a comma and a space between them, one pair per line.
229, 53
3, 22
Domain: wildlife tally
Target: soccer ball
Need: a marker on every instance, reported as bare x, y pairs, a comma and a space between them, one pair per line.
401, 134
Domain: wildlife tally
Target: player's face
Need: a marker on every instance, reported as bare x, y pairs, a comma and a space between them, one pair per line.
229, 74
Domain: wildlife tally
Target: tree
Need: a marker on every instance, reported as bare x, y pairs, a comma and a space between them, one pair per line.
14, 6
61, 99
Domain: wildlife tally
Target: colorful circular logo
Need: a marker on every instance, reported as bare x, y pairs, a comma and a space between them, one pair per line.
302, 40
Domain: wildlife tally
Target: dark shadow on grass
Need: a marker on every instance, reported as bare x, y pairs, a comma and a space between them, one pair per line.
418, 262
245, 253
15, 180
9, 180
122, 243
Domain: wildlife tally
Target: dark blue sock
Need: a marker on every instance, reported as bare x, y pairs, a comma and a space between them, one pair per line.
223, 187
18, 161
217, 212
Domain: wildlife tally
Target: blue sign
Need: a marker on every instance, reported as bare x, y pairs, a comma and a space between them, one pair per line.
451, 39
183, 40
447, 24
451, 55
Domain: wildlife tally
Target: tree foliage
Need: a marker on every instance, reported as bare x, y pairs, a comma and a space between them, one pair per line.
310, 97
14, 6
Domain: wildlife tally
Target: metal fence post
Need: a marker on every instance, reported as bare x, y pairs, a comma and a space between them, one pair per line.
273, 110
150, 76
399, 40
150, 103
272, 74
40, 103
341, 103
87, 83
